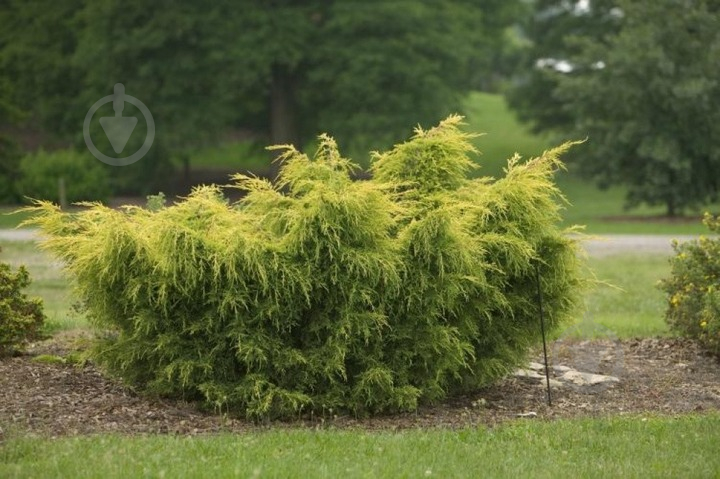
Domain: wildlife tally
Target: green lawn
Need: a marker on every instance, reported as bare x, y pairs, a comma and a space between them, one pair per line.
632, 306
502, 136
10, 219
48, 283
614, 447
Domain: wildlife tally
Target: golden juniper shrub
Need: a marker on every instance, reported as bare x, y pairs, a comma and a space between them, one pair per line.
320, 292
693, 288
21, 318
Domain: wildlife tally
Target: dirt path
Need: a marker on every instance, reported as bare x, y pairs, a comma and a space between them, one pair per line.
607, 245
21, 234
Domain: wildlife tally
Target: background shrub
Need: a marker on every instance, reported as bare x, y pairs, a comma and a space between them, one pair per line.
9, 170
86, 178
20, 318
322, 293
693, 288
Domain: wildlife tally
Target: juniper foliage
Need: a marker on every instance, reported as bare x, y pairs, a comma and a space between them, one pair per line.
320, 292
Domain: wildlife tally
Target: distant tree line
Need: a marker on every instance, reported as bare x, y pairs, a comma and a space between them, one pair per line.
637, 78
363, 71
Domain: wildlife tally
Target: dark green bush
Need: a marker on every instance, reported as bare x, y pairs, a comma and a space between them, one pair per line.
21, 319
693, 288
321, 292
9, 170
86, 178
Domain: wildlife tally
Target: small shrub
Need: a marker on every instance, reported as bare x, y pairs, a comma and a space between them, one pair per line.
321, 292
21, 319
86, 179
693, 288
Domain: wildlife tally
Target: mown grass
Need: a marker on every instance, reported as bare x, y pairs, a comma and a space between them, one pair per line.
629, 305
48, 283
613, 447
602, 212
10, 219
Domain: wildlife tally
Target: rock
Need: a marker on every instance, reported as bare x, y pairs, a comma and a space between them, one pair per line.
554, 384
561, 369
587, 379
528, 414
536, 366
527, 374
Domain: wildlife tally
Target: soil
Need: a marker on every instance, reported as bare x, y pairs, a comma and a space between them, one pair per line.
657, 376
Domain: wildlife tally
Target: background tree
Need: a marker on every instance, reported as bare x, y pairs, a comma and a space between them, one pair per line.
360, 70
551, 28
647, 100
638, 79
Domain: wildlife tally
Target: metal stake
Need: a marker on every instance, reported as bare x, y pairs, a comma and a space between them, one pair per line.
542, 329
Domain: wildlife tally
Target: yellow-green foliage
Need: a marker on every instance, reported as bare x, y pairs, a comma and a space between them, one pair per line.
693, 288
320, 292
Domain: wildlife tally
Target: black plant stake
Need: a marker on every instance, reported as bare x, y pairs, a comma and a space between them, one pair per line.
542, 329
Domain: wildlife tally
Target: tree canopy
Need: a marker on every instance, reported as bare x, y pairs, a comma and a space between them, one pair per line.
645, 98
362, 71
551, 29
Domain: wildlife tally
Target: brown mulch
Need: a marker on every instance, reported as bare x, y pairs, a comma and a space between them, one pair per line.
663, 376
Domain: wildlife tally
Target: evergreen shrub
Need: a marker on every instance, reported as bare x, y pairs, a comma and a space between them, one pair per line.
86, 179
21, 318
693, 288
322, 293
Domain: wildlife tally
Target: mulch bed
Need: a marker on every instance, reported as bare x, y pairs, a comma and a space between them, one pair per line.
661, 376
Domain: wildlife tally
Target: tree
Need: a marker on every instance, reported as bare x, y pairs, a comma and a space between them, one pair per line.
361, 70
550, 29
639, 80
647, 100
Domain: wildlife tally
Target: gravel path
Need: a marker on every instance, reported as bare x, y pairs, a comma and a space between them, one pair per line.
598, 246
23, 234
607, 245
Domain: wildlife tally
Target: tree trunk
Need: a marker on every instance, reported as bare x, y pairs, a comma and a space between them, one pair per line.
185, 159
283, 128
671, 210
670, 201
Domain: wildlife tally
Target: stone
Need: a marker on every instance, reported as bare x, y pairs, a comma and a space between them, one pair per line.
587, 379
561, 369
527, 374
536, 366
554, 383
